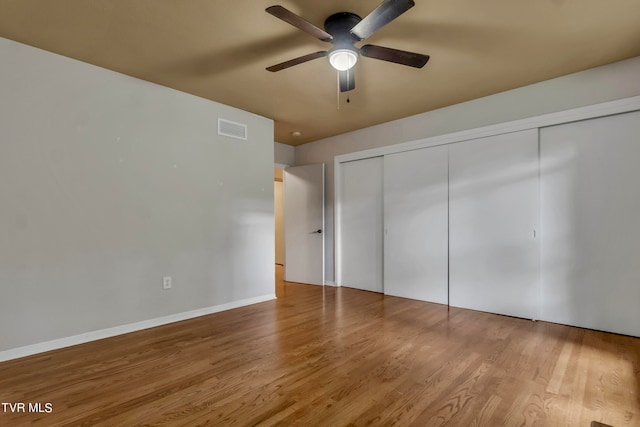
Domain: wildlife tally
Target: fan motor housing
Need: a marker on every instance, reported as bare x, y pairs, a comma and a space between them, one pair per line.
339, 25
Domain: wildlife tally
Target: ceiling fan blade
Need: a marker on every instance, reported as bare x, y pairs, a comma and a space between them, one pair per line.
347, 80
293, 19
402, 57
386, 12
296, 61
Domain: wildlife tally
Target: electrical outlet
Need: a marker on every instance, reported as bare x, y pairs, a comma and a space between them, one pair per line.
166, 282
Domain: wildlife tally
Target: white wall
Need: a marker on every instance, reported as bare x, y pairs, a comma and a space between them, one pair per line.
284, 154
601, 84
109, 183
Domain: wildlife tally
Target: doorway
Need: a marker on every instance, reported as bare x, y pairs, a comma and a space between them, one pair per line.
299, 223
278, 191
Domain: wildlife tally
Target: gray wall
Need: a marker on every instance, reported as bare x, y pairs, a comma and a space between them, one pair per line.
601, 84
284, 154
109, 183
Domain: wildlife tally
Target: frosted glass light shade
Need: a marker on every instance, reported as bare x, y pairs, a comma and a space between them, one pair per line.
343, 59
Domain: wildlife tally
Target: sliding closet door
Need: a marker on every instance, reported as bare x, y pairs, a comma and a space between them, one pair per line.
415, 218
590, 210
360, 224
494, 261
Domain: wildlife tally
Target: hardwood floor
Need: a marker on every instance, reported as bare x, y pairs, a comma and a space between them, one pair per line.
334, 357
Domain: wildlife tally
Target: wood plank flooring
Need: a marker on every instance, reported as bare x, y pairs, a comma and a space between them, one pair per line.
335, 357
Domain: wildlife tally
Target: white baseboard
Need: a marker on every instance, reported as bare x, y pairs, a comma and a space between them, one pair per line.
32, 349
329, 283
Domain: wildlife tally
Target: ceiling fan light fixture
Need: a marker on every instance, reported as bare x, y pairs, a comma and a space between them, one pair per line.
343, 59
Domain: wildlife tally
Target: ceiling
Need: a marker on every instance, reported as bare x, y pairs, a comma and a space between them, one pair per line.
219, 50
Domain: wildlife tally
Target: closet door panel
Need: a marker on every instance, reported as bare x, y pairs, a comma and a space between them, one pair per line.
360, 206
590, 205
415, 222
494, 258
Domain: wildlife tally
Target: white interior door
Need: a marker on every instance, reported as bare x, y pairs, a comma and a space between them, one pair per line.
360, 224
304, 224
416, 224
590, 205
494, 255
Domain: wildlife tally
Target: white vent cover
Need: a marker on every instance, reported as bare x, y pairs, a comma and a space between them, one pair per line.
232, 129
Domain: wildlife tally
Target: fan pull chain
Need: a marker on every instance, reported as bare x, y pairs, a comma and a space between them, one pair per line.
338, 89
348, 70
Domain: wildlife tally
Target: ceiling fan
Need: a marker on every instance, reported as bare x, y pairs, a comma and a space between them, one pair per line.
343, 30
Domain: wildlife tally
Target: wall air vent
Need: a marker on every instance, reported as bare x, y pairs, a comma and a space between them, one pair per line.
232, 129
